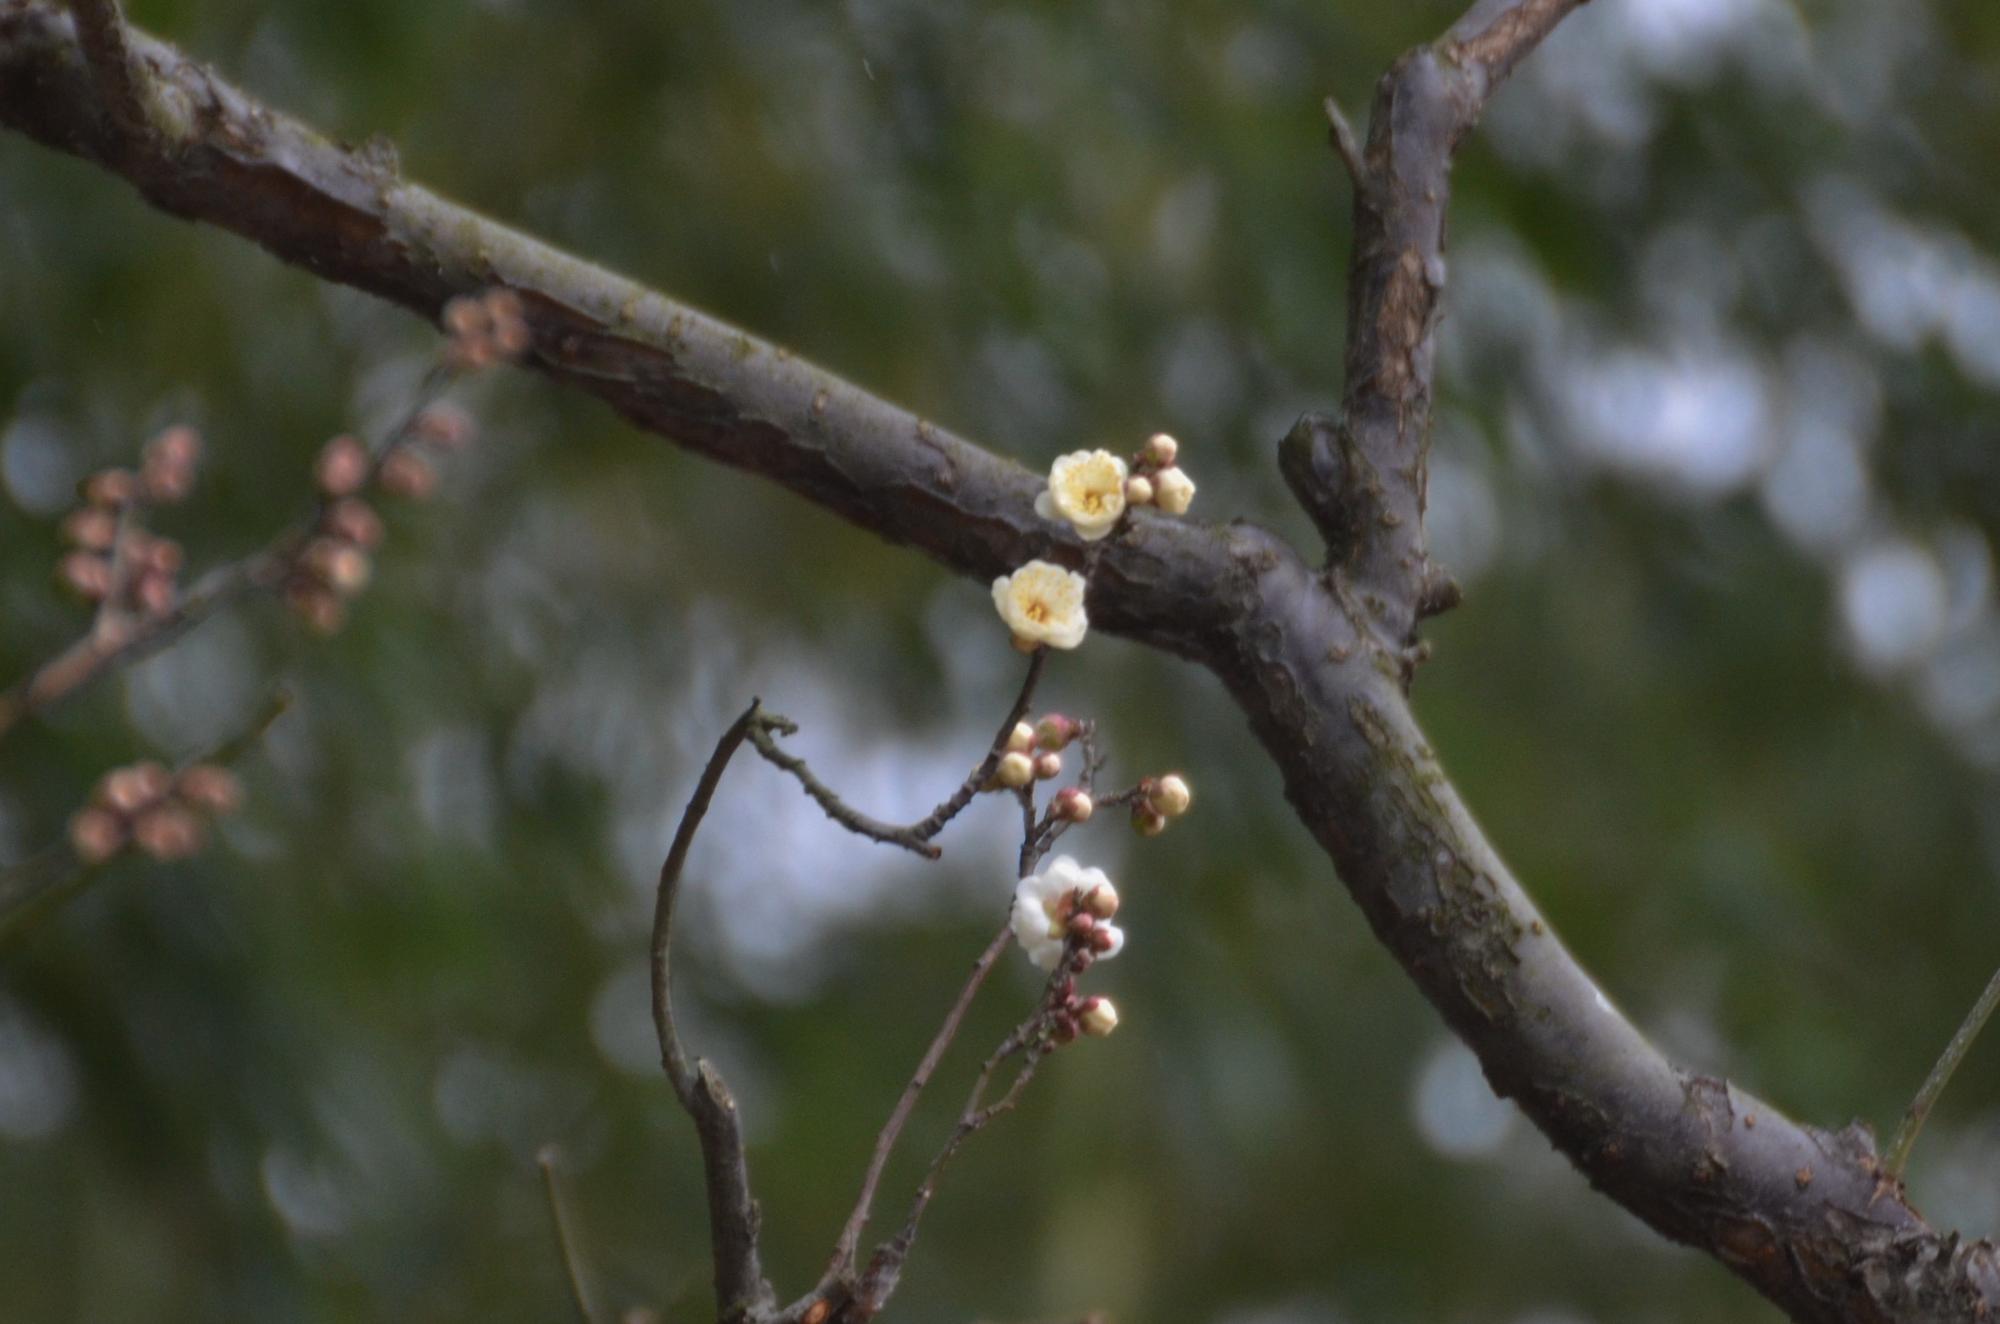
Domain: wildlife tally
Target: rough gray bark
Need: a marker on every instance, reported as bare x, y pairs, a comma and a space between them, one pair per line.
1318, 657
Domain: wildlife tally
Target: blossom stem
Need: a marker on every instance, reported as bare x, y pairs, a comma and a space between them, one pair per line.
1898, 1156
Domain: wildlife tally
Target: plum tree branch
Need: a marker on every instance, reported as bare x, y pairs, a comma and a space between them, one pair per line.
1317, 656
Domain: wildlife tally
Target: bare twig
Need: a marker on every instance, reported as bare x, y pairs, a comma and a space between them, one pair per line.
741, 1290
983, 773
1897, 1157
51, 877
581, 1291
1348, 147
842, 1262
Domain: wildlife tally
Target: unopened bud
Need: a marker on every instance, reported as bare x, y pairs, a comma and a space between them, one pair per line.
1104, 940
86, 572
1081, 925
407, 474
1074, 803
1021, 739
153, 593
446, 426
1138, 490
1015, 771
1148, 821
466, 317
91, 527
1161, 451
1101, 901
1048, 765
1055, 731
317, 605
338, 564
96, 834
166, 481
1097, 1017
1173, 491
129, 789
355, 521
179, 446
342, 466
1170, 795
211, 788
111, 488
168, 832
161, 555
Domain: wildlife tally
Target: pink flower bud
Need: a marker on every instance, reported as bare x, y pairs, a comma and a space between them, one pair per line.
1102, 939
408, 474
1015, 771
132, 788
1074, 803
318, 606
338, 564
87, 572
211, 788
446, 426
91, 527
1101, 901
153, 593
342, 466
179, 446
1055, 731
1081, 925
165, 481
111, 488
1048, 765
96, 834
168, 832
465, 316
354, 520
160, 555
1161, 451
1021, 739
1097, 1017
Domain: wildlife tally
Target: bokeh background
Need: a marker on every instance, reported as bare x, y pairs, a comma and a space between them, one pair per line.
1714, 459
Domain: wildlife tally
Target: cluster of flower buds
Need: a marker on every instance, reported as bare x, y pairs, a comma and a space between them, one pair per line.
337, 560
110, 557
162, 814
1157, 480
1033, 753
1160, 800
1064, 913
1073, 1015
490, 329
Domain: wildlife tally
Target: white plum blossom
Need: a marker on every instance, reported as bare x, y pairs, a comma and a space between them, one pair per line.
1042, 604
1087, 488
1044, 903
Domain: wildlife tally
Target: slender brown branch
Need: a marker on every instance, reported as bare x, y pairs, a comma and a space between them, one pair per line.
842, 1261
982, 774
1897, 1157
1347, 147
562, 1221
741, 1290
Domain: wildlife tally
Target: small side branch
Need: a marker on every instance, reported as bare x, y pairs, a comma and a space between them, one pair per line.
561, 1218
1348, 148
1897, 1157
741, 1290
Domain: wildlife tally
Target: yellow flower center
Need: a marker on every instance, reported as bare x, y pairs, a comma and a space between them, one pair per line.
1038, 611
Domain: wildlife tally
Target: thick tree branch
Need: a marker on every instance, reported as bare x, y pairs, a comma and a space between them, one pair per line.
1316, 660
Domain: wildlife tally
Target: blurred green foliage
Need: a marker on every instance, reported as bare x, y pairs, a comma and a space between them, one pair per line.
1715, 457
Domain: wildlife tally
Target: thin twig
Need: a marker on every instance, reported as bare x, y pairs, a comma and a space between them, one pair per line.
1348, 147
935, 822
1897, 1158
48, 879
554, 1186
740, 1287
842, 1262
